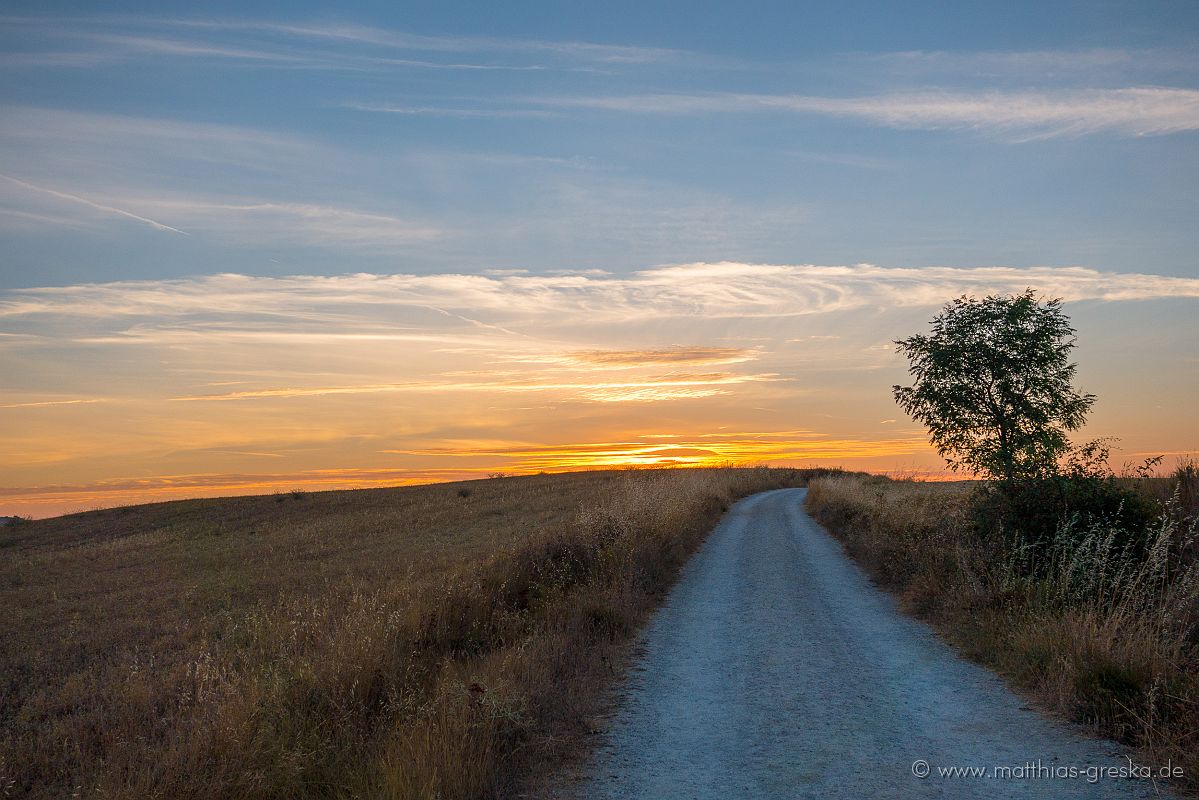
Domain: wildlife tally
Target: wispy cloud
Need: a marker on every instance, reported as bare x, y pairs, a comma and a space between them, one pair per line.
54, 58
454, 65
402, 40
307, 45
116, 48
445, 111
682, 449
710, 291
207, 484
33, 122
434, 369
855, 160
677, 355
101, 207
249, 332
243, 220
1057, 66
43, 137
667, 387
191, 49
311, 223
148, 168
20, 219
1128, 111
44, 403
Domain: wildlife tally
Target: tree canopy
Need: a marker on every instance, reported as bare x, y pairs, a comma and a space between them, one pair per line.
993, 383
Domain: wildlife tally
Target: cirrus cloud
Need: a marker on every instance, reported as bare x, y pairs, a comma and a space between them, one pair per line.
712, 290
1133, 111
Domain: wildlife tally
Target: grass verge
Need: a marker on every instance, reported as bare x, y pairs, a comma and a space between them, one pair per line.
1102, 640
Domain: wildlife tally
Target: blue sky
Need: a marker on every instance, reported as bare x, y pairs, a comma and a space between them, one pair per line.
250, 247
614, 136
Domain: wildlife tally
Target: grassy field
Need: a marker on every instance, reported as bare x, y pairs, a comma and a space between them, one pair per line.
1107, 641
432, 641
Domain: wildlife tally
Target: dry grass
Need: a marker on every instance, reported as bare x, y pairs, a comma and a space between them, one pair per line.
1102, 640
422, 642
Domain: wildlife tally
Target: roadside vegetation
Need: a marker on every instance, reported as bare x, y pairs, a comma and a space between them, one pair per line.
1078, 585
437, 641
1098, 621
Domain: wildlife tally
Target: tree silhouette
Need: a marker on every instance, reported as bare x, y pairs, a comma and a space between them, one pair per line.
993, 385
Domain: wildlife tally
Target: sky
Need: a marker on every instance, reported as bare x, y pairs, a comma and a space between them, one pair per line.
258, 247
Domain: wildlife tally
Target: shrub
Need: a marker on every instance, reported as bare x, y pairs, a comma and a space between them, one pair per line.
1031, 514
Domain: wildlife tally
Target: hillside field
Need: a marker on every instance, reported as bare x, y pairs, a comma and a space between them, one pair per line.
431, 641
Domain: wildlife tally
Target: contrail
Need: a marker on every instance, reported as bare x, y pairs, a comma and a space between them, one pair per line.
97, 206
51, 403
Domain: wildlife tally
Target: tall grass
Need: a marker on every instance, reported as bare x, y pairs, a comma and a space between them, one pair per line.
1103, 633
348, 679
1093, 564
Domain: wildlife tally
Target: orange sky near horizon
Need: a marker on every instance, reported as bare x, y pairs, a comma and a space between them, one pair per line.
142, 391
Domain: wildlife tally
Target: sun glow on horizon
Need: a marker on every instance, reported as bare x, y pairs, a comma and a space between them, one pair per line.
231, 384
483, 459
270, 251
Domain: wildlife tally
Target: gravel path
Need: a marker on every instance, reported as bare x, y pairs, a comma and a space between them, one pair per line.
775, 669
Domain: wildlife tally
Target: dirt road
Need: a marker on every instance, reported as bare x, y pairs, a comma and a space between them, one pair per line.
777, 670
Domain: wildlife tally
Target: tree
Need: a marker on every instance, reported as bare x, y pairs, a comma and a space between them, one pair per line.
993, 385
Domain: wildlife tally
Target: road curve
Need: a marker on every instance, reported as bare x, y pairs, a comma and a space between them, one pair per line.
775, 669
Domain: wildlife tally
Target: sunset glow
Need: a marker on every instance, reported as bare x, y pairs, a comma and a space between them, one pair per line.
261, 253
140, 391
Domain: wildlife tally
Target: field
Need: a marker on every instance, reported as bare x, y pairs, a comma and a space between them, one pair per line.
430, 641
1099, 637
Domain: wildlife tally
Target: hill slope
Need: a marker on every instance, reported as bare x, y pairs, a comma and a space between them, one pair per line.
404, 642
